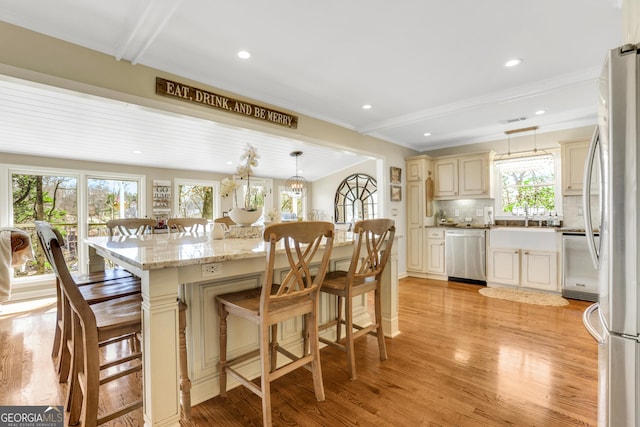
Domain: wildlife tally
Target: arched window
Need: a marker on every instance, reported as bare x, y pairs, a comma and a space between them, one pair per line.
356, 198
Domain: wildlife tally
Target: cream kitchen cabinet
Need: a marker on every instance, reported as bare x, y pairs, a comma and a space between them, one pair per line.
503, 266
525, 268
435, 251
523, 256
417, 172
462, 177
539, 270
573, 155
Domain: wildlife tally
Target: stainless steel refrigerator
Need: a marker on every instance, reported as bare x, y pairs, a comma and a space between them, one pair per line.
615, 320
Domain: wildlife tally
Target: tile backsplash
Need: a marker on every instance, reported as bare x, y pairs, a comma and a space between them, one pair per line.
572, 214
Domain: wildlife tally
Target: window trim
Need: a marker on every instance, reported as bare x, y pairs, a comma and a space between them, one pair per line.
32, 284
497, 184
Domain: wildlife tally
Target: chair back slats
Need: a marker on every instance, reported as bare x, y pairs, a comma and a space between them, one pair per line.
52, 247
182, 225
300, 242
376, 236
130, 226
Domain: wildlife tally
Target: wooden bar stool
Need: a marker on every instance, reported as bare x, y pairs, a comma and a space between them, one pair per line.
92, 325
296, 295
94, 287
364, 275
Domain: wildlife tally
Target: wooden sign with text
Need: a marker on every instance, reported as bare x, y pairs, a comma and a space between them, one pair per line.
221, 102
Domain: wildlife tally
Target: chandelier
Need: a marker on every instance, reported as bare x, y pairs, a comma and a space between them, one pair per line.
296, 185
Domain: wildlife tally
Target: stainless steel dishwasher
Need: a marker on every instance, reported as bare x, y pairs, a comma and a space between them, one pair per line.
465, 254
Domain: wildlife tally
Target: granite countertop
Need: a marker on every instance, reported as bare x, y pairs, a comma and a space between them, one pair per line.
153, 251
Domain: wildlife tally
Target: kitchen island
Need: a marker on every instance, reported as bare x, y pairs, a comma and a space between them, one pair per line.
196, 269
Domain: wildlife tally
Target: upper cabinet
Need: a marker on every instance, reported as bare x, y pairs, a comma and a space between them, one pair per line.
462, 177
574, 154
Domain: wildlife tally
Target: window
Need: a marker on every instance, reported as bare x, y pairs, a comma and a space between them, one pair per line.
51, 198
527, 183
110, 198
291, 206
196, 199
66, 199
356, 198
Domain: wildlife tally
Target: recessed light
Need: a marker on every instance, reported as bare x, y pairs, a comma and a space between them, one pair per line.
137, 152
513, 62
366, 107
427, 134
540, 112
243, 54
229, 162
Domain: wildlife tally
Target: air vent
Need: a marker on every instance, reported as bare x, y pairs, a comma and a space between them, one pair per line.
517, 119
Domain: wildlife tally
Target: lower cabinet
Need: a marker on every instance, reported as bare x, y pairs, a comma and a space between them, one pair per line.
435, 251
523, 267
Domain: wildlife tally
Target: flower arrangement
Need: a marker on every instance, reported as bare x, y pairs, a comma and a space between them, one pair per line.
273, 215
248, 161
228, 186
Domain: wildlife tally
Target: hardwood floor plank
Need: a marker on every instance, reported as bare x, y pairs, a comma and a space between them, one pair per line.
461, 359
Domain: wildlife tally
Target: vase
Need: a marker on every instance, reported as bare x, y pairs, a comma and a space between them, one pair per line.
243, 217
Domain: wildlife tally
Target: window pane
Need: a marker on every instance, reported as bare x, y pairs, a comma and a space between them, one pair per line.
195, 201
110, 199
48, 198
527, 182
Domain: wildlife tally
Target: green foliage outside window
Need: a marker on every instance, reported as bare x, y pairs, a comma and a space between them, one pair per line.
527, 182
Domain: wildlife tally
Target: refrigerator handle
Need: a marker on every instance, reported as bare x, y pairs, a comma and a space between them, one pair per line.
586, 198
587, 323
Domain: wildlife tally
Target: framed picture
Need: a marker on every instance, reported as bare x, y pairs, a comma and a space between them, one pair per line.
396, 193
396, 175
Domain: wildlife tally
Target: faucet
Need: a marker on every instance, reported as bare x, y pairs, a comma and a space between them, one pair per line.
526, 215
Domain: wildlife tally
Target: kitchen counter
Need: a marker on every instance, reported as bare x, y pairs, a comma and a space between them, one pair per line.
197, 269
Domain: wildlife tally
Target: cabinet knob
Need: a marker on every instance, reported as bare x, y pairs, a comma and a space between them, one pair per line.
515, 252
526, 253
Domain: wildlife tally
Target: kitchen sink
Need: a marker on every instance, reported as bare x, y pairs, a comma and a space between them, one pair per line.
538, 238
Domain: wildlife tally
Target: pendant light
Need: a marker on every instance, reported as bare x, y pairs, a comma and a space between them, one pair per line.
296, 185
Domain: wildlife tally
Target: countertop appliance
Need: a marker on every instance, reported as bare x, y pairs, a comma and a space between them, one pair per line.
465, 254
579, 276
615, 320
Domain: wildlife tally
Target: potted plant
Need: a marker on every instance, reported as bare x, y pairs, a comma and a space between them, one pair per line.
248, 214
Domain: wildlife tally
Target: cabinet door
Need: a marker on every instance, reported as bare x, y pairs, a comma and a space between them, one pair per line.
573, 158
474, 176
539, 270
504, 266
435, 256
415, 226
415, 170
446, 178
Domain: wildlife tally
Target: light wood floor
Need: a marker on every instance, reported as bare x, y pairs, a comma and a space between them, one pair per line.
461, 360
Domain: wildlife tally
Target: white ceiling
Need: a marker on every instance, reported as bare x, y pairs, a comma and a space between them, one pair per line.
424, 66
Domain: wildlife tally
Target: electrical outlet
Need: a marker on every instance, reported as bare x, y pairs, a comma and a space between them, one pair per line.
456, 212
579, 211
479, 212
209, 270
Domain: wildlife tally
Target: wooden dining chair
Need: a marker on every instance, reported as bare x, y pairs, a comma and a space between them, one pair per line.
182, 225
371, 252
130, 226
225, 220
94, 287
272, 303
91, 326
